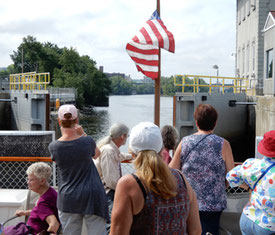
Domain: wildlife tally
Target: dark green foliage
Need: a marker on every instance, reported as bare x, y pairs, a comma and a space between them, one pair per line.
145, 88
67, 69
120, 86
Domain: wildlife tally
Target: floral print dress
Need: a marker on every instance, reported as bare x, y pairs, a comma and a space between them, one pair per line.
261, 208
205, 170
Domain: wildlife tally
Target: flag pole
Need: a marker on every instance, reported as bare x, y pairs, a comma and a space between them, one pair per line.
157, 84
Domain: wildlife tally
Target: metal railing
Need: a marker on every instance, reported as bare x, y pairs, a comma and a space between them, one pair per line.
19, 165
29, 81
239, 84
18, 150
63, 94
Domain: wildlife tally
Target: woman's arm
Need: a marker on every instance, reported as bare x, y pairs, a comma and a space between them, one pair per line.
122, 214
97, 153
128, 201
227, 156
193, 219
23, 212
175, 162
80, 131
53, 224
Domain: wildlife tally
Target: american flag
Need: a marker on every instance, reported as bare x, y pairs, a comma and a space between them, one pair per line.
144, 47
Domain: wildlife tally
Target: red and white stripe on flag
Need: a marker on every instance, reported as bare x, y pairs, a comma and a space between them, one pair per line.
144, 47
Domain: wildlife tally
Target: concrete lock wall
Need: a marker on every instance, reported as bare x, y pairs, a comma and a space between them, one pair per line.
30, 110
231, 121
5, 108
236, 124
265, 115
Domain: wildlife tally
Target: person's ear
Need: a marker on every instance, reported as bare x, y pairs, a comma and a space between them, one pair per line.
43, 181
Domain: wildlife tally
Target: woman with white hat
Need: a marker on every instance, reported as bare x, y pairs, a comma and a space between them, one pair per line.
258, 175
156, 199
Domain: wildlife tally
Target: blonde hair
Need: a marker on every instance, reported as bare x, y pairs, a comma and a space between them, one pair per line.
155, 174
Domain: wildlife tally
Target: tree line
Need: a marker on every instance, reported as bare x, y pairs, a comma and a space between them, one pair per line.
120, 86
68, 69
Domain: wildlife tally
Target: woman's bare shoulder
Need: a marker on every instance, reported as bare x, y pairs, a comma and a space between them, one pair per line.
127, 181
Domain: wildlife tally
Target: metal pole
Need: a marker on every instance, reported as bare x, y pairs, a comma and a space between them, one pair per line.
22, 60
157, 84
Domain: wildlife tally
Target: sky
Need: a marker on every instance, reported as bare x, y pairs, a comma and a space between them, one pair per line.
204, 31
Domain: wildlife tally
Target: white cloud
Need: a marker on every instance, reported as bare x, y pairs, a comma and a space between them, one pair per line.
204, 31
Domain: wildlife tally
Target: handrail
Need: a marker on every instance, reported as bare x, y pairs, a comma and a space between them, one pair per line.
237, 83
24, 159
34, 159
29, 81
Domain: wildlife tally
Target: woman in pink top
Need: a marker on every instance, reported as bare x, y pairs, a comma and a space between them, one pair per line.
44, 216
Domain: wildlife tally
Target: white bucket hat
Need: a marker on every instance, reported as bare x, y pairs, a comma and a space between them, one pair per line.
145, 136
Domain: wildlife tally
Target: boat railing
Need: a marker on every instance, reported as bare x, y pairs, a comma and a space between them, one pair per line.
19, 149
202, 83
20, 164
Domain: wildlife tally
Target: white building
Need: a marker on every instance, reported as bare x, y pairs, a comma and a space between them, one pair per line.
269, 45
251, 18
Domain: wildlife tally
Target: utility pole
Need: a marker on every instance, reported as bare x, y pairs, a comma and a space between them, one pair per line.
22, 59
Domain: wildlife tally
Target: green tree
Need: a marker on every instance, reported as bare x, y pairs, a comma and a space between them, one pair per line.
67, 69
145, 88
50, 59
70, 60
32, 53
120, 86
96, 87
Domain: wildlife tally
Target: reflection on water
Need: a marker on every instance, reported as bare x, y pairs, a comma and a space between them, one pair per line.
96, 123
129, 110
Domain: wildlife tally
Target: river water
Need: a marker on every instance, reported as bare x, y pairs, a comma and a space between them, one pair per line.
129, 110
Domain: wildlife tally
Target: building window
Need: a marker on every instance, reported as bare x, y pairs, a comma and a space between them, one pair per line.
238, 63
244, 9
243, 62
248, 7
269, 63
247, 59
239, 6
253, 5
253, 56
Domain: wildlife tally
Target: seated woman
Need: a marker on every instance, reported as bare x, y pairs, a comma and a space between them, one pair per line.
155, 200
44, 216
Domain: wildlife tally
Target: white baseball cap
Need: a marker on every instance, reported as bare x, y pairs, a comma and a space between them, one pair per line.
67, 108
145, 136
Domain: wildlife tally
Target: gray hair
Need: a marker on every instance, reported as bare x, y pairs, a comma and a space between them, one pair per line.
41, 170
116, 131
